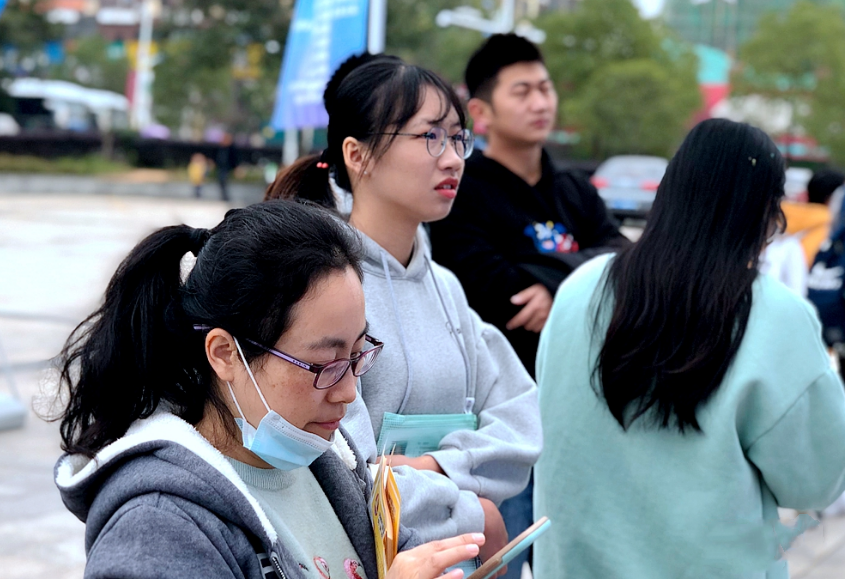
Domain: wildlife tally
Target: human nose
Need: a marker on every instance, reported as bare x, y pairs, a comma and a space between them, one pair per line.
540, 101
345, 391
450, 160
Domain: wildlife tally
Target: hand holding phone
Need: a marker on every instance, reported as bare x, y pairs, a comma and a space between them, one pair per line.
522, 541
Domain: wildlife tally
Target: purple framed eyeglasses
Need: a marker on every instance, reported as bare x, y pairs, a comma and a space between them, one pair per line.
329, 374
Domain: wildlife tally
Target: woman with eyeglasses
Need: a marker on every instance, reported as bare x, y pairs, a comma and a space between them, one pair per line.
202, 412
685, 396
397, 140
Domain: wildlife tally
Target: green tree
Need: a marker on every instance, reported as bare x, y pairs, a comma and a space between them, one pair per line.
92, 62
196, 81
24, 27
24, 30
628, 107
625, 83
413, 35
600, 32
799, 57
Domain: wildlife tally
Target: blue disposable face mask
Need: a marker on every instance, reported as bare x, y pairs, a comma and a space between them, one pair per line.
276, 441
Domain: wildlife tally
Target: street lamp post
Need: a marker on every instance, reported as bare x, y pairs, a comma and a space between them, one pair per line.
141, 97
502, 22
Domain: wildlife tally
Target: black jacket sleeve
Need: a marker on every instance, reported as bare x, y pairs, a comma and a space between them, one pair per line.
594, 225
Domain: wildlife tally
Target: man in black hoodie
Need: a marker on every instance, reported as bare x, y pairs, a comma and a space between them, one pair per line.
518, 226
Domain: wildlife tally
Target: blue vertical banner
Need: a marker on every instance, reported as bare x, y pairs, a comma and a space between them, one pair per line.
2, 5
323, 33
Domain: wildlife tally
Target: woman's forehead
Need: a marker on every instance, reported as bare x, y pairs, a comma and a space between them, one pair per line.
435, 109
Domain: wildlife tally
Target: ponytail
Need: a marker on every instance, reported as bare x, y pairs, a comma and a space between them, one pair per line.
306, 178
132, 346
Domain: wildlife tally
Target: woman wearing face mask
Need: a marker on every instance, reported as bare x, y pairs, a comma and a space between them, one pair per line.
397, 140
202, 418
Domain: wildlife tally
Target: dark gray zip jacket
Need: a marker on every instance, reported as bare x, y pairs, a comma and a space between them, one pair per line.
163, 502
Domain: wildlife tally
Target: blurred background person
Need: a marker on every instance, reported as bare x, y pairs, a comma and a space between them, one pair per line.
226, 162
197, 170
685, 397
519, 226
810, 222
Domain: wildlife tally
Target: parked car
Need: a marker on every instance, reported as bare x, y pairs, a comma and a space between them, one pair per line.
627, 183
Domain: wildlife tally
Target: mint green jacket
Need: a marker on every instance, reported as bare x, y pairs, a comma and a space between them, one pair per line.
652, 503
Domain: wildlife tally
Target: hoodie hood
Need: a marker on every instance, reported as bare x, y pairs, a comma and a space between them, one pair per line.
376, 258
185, 464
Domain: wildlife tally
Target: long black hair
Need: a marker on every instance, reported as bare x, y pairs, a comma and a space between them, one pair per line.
681, 296
368, 97
140, 348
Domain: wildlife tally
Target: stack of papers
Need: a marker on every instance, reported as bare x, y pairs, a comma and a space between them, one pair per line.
416, 434
384, 513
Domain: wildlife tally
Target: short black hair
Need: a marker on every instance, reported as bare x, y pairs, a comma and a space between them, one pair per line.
500, 51
823, 184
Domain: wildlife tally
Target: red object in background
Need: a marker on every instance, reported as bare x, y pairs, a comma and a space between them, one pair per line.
650, 185
599, 182
130, 85
798, 148
75, 5
711, 95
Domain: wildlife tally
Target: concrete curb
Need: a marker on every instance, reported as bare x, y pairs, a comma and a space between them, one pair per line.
23, 183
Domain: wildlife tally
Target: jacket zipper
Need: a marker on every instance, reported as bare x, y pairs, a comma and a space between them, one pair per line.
277, 567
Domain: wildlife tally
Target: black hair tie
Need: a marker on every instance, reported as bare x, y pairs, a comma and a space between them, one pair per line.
198, 237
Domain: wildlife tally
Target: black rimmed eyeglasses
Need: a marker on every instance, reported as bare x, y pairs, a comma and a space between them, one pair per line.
330, 373
436, 137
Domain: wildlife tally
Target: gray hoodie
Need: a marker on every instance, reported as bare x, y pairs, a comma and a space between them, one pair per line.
441, 358
161, 501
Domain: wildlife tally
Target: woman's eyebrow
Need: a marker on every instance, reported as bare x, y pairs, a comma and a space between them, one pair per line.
437, 122
334, 342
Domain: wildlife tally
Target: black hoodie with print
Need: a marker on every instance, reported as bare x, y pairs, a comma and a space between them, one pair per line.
504, 235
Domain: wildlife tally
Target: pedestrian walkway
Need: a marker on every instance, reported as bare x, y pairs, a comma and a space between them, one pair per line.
57, 253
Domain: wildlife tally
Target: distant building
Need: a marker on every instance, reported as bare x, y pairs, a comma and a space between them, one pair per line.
722, 24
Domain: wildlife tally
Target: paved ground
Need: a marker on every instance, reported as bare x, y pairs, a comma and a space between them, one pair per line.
56, 254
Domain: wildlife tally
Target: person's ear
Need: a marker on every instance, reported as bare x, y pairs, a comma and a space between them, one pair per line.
355, 157
481, 112
222, 354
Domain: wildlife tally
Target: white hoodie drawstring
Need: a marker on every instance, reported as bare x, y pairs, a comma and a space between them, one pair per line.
405, 351
453, 331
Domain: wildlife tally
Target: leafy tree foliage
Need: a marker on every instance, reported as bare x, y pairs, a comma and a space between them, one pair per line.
23, 26
196, 82
88, 61
624, 82
629, 107
413, 35
799, 57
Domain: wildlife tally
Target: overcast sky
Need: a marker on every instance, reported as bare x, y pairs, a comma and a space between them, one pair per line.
649, 8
